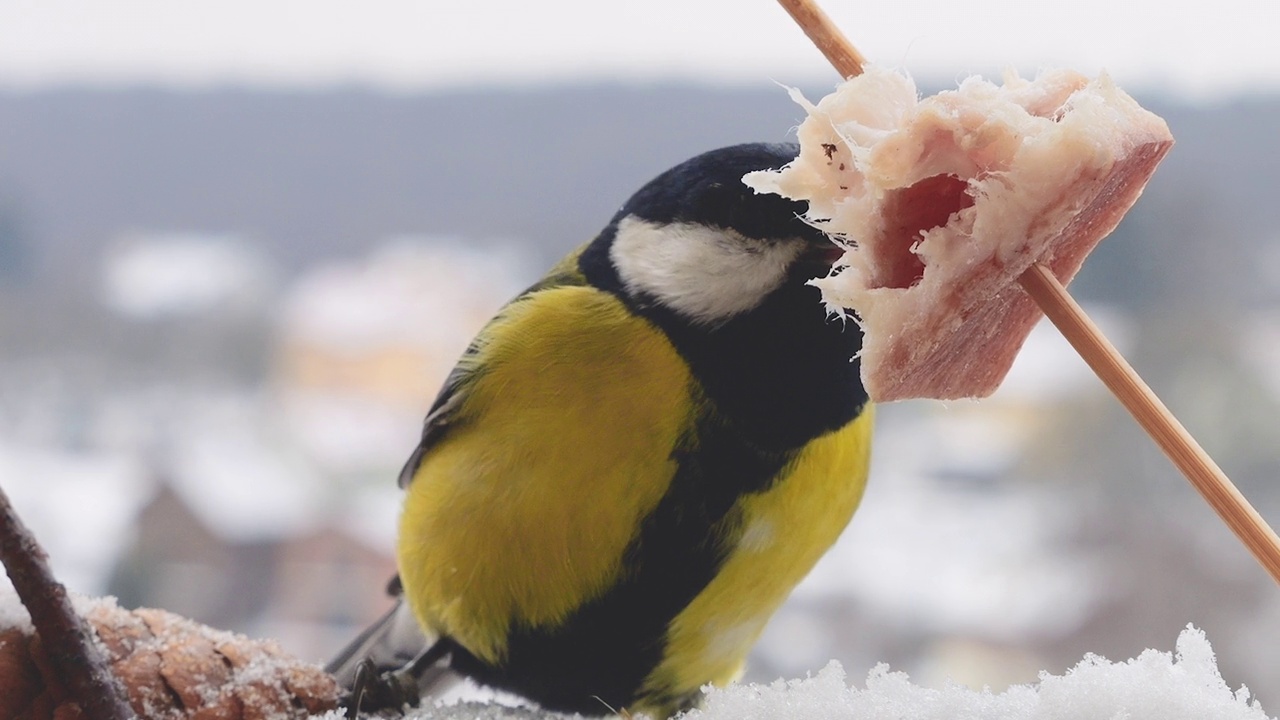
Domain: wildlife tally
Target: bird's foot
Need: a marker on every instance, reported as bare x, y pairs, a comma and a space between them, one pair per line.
373, 690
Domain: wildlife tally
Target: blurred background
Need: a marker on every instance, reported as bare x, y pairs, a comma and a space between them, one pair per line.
242, 243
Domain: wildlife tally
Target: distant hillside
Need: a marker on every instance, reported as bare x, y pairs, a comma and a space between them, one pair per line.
310, 175
314, 174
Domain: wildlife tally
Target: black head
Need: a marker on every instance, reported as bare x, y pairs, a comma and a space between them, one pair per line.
697, 241
725, 273
708, 190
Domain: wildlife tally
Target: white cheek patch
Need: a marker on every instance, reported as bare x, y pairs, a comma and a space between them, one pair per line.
707, 275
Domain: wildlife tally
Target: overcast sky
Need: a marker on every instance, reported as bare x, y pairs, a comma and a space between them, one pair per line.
1204, 49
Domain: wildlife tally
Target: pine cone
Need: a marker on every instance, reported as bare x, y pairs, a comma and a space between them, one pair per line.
171, 669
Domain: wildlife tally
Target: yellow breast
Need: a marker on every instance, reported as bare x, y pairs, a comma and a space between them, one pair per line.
782, 534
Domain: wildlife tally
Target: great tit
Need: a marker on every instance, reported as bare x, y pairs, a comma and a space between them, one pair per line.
636, 460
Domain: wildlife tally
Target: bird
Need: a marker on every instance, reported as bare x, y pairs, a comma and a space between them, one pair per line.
635, 461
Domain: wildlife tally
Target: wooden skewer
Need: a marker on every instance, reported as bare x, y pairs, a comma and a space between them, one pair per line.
832, 43
1124, 382
1119, 377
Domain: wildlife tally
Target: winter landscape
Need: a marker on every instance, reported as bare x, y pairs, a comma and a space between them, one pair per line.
225, 308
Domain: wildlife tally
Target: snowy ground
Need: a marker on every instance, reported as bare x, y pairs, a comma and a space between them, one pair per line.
1154, 686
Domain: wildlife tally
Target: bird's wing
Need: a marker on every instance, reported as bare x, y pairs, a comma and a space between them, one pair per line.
438, 419
442, 413
543, 460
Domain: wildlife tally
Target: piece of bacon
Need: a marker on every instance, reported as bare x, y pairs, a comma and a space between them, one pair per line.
944, 202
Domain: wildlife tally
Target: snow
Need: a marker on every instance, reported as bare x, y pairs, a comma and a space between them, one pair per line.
465, 711
1154, 686
12, 612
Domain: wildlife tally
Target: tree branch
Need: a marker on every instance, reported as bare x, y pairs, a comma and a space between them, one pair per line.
78, 662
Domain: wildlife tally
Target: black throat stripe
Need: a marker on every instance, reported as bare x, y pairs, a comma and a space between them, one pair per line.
608, 646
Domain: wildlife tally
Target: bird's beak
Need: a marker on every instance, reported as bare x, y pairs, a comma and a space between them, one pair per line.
819, 259
826, 254
832, 253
